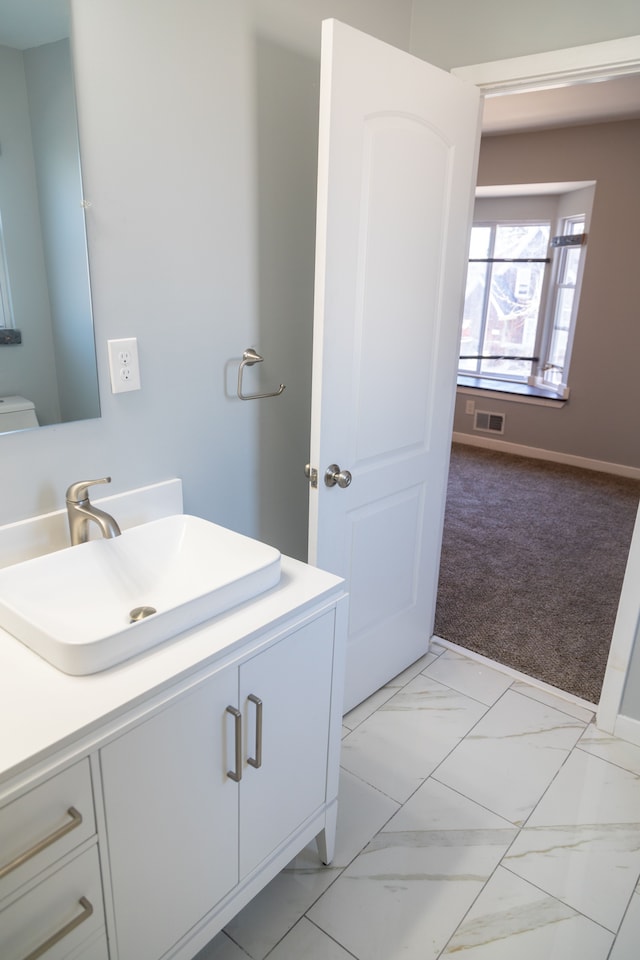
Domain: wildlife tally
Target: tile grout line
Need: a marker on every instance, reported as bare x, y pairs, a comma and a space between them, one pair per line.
579, 913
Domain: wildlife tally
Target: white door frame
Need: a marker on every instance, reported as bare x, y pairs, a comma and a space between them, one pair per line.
537, 71
596, 61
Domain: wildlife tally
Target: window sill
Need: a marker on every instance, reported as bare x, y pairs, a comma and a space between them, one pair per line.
503, 390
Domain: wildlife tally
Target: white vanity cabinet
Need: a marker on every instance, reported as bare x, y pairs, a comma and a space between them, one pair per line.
201, 793
142, 807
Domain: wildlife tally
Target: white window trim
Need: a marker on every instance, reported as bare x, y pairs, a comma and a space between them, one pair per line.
563, 229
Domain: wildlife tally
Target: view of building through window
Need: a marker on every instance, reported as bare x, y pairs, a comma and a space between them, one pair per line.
502, 300
521, 302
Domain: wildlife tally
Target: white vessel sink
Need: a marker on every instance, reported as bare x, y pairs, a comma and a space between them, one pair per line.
75, 607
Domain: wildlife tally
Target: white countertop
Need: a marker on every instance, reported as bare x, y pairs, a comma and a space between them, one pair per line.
43, 710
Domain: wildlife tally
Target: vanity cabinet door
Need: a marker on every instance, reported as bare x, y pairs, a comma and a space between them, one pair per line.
172, 818
292, 679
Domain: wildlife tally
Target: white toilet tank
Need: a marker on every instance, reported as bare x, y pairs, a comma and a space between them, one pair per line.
16, 413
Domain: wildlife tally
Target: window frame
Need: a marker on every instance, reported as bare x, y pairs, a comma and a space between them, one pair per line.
556, 286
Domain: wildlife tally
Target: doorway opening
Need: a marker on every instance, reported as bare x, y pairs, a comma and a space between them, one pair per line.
572, 88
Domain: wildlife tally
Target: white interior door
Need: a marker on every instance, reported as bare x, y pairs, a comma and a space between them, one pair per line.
397, 168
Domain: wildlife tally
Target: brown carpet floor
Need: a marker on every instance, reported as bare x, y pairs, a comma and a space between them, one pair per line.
533, 560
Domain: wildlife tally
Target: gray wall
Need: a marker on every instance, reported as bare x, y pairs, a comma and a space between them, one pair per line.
457, 33
201, 238
599, 421
198, 137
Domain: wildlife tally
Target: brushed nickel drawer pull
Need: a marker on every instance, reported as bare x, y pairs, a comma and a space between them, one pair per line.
237, 773
257, 760
87, 910
76, 820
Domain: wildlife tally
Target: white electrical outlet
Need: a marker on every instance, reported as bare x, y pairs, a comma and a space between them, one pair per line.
470, 406
123, 365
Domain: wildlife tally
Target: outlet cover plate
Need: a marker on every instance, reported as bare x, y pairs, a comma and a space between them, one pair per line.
123, 365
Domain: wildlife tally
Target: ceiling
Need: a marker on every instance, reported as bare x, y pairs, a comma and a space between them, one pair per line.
592, 102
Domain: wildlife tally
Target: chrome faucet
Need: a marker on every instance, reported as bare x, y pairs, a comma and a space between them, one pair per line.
80, 512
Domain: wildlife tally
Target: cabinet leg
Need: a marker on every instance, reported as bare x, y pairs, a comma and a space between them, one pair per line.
326, 839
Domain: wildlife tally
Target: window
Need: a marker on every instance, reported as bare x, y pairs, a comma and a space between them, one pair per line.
558, 338
502, 299
521, 302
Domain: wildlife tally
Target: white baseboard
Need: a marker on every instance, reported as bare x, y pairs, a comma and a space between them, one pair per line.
628, 729
538, 453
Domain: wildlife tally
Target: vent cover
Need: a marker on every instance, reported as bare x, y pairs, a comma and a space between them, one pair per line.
489, 422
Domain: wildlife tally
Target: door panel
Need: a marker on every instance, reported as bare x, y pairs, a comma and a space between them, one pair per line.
397, 163
394, 521
397, 279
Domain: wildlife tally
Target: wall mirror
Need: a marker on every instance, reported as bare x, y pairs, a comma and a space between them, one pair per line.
44, 276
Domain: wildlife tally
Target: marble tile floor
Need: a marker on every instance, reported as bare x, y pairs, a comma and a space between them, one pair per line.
481, 818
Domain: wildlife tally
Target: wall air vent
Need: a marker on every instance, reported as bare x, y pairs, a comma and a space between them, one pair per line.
488, 422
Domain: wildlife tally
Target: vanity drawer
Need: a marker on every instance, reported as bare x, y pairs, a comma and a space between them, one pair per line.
43, 825
56, 917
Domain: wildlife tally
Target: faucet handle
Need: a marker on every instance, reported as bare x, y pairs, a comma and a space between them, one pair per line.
78, 492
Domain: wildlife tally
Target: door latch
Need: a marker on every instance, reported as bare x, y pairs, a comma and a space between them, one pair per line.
311, 475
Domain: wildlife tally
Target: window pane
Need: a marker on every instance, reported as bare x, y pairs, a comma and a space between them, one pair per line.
480, 242
520, 240
512, 318
560, 333
569, 273
472, 317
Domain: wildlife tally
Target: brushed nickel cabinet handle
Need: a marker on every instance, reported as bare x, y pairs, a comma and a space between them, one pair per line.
237, 717
257, 760
76, 820
87, 910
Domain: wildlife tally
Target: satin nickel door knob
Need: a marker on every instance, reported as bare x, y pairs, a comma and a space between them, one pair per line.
334, 475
